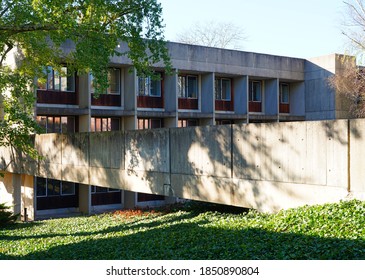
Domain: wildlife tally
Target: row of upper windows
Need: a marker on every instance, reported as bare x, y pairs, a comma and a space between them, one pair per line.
188, 85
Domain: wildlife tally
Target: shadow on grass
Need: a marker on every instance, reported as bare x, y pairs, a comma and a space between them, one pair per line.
187, 240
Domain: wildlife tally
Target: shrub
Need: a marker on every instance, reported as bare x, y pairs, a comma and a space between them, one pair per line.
6, 216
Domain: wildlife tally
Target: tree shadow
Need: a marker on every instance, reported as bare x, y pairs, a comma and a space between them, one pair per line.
187, 240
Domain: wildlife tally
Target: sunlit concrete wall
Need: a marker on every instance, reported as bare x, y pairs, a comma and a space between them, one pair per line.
264, 166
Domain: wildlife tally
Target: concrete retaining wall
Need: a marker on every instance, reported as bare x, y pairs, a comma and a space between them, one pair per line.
263, 166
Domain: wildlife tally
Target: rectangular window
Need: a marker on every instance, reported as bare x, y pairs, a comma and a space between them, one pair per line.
255, 94
105, 124
41, 187
223, 89
53, 187
149, 87
96, 189
188, 86
149, 123
57, 124
223, 122
113, 80
68, 188
284, 93
53, 125
57, 81
187, 122
50, 187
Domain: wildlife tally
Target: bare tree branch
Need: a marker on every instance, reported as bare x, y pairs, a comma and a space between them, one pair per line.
213, 34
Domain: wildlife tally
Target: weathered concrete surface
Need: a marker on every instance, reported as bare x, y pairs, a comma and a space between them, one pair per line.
357, 158
202, 151
301, 153
264, 166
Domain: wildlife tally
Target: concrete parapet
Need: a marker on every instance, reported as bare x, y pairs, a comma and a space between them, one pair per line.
264, 166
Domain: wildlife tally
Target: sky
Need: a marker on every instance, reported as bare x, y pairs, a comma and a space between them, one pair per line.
295, 28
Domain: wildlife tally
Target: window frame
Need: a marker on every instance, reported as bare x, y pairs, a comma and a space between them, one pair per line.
183, 86
188, 123
146, 123
103, 122
282, 92
251, 91
94, 190
218, 89
54, 78
63, 122
108, 90
60, 185
150, 85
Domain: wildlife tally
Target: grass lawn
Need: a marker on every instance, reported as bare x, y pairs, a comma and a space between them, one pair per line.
194, 231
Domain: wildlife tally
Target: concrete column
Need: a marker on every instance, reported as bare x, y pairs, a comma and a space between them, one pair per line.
130, 98
207, 98
84, 102
85, 126
28, 198
240, 90
297, 99
271, 98
85, 199
10, 191
171, 99
129, 199
130, 122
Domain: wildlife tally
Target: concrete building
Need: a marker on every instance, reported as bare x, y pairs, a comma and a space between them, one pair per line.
210, 86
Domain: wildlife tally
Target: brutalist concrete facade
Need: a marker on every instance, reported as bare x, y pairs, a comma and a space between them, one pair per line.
258, 88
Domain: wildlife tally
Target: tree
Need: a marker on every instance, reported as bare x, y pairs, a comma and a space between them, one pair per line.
213, 34
354, 24
34, 32
350, 81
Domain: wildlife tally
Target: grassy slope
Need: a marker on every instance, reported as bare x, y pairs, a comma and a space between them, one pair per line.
331, 231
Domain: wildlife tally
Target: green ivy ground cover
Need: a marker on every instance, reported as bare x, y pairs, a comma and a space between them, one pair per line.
331, 231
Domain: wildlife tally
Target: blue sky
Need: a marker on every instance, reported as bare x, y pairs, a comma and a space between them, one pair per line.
297, 28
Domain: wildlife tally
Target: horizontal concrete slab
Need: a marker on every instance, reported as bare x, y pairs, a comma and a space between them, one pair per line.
265, 166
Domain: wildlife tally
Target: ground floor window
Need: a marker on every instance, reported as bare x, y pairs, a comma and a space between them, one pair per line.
57, 124
96, 189
223, 122
148, 123
105, 196
99, 124
144, 197
56, 194
187, 122
51, 187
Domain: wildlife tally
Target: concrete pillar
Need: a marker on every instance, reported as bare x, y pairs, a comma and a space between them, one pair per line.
171, 99
85, 126
130, 99
271, 98
10, 191
28, 198
85, 199
207, 98
297, 99
84, 102
240, 90
129, 199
